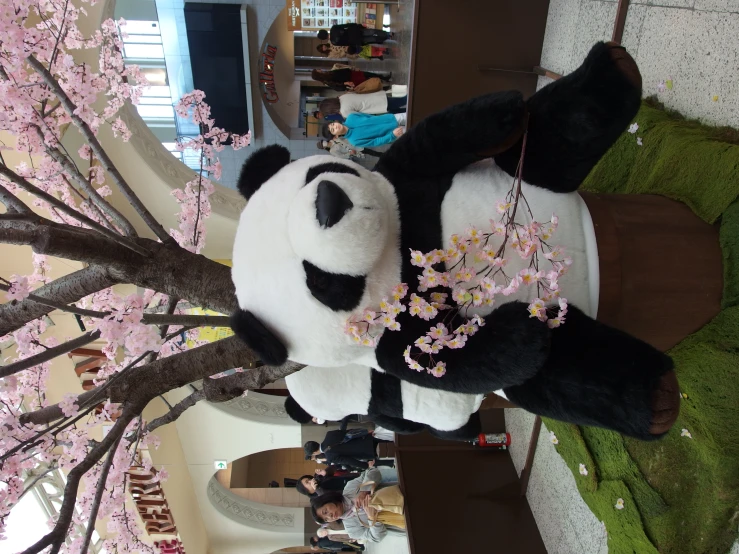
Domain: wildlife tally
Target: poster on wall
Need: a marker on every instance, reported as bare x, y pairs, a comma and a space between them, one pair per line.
314, 15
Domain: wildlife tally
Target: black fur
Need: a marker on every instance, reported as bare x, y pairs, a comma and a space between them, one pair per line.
329, 167
338, 292
573, 122
260, 167
257, 337
296, 412
469, 431
447, 141
595, 375
386, 397
508, 350
398, 424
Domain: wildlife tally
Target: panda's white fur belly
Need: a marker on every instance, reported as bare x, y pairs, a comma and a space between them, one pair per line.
332, 393
471, 201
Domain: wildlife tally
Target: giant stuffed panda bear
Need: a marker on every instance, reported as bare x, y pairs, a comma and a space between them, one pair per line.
321, 238
333, 393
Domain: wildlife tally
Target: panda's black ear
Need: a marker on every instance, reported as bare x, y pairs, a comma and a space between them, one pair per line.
260, 166
257, 337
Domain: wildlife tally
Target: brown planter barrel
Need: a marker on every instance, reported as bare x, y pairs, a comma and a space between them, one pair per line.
661, 274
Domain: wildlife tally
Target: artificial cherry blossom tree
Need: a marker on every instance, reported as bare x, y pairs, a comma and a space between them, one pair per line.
59, 208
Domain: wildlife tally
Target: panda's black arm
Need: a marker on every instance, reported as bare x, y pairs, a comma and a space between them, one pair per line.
397, 424
509, 349
456, 137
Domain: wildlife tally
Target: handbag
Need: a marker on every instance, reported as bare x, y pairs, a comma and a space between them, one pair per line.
370, 85
390, 505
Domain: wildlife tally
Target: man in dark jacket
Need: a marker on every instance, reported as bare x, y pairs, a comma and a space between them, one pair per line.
353, 448
354, 35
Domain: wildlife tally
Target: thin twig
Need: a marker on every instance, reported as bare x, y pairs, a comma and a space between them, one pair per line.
99, 152
16, 179
99, 494
12, 203
49, 354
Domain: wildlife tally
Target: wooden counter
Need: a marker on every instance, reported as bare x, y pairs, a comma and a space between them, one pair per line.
464, 499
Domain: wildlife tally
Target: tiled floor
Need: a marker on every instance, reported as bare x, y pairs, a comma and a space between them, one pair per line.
574, 530
694, 43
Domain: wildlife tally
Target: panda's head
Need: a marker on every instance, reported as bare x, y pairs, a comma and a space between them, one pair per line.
318, 240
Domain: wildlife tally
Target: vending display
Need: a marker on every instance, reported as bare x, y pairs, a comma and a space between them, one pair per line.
323, 14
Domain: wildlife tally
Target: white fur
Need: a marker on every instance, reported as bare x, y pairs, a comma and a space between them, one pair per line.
277, 231
471, 202
333, 393
445, 411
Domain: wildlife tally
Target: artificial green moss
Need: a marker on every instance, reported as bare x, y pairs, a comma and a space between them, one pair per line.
681, 494
679, 159
730, 247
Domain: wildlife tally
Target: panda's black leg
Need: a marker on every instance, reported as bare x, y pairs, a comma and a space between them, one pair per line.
596, 375
576, 119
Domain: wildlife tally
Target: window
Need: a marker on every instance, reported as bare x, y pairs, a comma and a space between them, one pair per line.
141, 27
155, 111
147, 51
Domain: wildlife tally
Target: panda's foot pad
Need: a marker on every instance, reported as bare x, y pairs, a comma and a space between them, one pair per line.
625, 63
665, 404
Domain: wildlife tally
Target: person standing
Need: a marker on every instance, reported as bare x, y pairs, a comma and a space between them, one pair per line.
354, 34
354, 448
373, 103
365, 130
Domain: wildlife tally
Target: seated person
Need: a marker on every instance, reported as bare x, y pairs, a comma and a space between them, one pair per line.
352, 507
368, 130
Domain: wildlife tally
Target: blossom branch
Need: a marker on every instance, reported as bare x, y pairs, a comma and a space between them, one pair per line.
70, 288
48, 354
58, 534
92, 194
98, 150
62, 207
149, 319
176, 411
11, 202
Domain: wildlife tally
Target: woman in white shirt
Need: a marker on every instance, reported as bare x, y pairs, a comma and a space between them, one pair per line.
342, 506
374, 103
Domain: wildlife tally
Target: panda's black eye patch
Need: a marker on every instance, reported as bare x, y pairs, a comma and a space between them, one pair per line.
330, 167
338, 292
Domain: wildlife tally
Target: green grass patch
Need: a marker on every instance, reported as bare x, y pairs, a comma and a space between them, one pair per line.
679, 159
681, 495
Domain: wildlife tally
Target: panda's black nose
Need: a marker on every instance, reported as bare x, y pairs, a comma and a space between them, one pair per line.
332, 203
